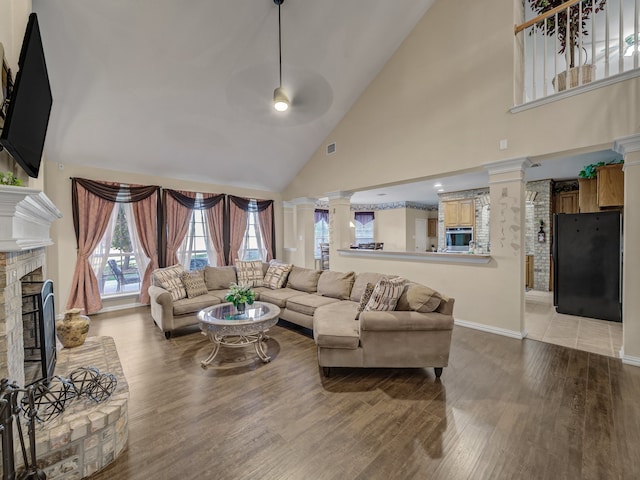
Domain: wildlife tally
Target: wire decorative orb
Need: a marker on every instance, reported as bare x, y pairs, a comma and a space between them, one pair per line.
49, 402
83, 379
102, 387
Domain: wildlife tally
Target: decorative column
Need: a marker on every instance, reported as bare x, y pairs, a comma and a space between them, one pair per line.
629, 147
304, 232
340, 235
507, 235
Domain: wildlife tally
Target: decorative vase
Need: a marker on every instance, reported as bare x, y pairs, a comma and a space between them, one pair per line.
72, 330
241, 307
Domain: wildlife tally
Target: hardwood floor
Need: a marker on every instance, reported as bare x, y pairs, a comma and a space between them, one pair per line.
503, 409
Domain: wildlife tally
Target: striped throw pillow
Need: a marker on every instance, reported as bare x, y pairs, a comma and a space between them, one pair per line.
194, 283
386, 294
170, 278
250, 273
276, 275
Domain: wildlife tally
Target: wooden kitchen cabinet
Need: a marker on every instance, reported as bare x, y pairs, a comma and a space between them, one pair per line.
610, 186
588, 195
432, 227
567, 202
459, 213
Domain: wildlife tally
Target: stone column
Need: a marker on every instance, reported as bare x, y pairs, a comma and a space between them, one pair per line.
507, 235
340, 235
629, 147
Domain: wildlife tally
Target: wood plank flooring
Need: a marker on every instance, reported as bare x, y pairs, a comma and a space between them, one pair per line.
503, 409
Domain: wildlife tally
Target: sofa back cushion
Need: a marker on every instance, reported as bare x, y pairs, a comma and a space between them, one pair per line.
303, 279
170, 278
219, 278
250, 273
386, 294
276, 275
336, 284
360, 284
418, 298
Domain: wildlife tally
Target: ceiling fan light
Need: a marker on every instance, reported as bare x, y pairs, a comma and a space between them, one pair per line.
280, 100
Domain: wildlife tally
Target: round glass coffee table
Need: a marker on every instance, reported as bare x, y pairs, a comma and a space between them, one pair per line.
224, 325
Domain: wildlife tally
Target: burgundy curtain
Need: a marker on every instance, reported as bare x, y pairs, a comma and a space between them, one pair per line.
364, 217
91, 216
237, 229
146, 219
265, 219
215, 222
176, 217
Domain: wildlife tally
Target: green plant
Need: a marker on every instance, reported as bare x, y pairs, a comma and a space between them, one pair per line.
238, 294
7, 178
576, 25
591, 170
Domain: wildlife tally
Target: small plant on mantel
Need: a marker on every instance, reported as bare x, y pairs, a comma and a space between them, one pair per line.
591, 170
8, 178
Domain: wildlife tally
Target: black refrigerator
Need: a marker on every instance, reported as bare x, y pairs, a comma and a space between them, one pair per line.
587, 264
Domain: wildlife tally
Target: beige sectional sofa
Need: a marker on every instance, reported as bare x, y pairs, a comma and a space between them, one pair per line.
416, 334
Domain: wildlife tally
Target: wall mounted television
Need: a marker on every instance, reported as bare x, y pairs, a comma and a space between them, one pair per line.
27, 116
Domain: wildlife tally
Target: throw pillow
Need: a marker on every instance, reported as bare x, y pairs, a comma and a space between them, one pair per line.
219, 278
250, 273
366, 295
276, 274
194, 283
423, 299
170, 279
386, 294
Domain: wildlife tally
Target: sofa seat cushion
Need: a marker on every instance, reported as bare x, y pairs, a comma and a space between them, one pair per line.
193, 305
308, 303
334, 325
278, 297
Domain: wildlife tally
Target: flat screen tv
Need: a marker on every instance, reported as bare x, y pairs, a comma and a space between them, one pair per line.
27, 118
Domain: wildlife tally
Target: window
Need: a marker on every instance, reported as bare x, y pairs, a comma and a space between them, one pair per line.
321, 230
118, 259
364, 227
196, 250
252, 245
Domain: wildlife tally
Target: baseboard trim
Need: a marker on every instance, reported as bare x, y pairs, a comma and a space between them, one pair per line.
489, 329
629, 360
116, 308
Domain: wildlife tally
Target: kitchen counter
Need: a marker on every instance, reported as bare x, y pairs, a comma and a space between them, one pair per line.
440, 257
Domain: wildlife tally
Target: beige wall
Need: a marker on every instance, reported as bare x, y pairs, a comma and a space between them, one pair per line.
440, 106
390, 227
434, 110
61, 257
412, 214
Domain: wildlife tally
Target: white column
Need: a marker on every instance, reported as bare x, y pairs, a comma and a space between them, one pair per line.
340, 235
302, 253
629, 147
507, 236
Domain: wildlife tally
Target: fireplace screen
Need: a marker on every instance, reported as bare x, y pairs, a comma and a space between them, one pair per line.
38, 316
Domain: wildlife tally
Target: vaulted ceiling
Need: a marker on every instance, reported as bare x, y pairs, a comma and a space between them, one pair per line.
184, 89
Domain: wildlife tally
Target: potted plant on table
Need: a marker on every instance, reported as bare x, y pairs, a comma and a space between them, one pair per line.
568, 30
240, 296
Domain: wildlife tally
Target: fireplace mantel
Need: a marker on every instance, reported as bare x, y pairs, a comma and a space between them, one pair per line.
25, 218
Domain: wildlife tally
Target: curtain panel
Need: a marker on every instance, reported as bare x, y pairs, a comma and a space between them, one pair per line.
92, 204
176, 217
264, 208
319, 215
364, 217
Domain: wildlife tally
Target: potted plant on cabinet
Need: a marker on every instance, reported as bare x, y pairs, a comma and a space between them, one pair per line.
569, 28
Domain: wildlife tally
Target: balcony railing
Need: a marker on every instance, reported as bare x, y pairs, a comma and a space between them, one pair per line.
577, 43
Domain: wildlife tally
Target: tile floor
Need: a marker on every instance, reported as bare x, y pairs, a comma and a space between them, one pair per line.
544, 324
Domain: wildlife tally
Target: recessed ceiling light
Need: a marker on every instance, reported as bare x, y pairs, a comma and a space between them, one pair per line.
437, 185
381, 194
440, 190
